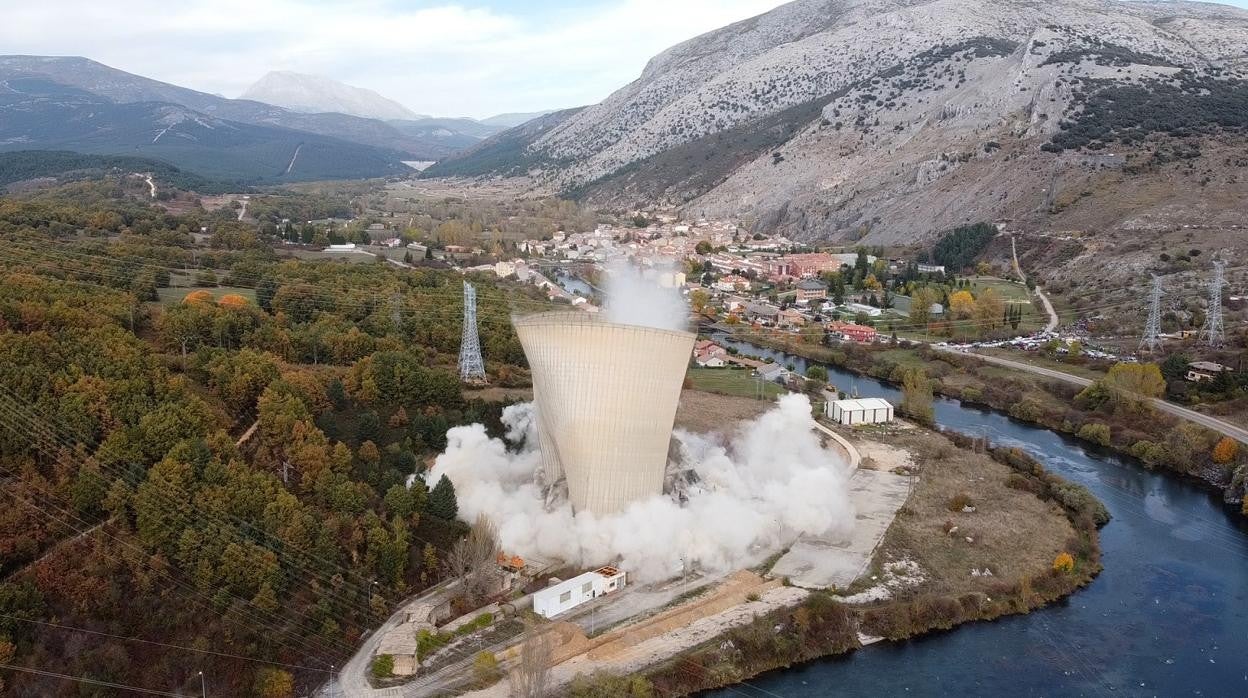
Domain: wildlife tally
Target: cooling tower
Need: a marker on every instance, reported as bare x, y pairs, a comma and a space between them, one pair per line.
606, 398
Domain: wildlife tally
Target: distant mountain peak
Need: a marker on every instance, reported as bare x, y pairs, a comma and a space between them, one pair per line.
317, 94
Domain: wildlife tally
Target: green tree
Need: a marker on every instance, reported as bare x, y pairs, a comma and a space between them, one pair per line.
442, 503
382, 666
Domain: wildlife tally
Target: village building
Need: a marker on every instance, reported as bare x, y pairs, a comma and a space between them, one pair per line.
1204, 371
811, 289
774, 373
731, 282
852, 331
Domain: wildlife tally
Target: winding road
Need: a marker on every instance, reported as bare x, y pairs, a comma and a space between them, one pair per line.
1223, 427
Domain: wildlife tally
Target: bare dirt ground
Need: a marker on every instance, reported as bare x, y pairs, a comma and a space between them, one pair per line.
1010, 532
703, 412
493, 394
735, 602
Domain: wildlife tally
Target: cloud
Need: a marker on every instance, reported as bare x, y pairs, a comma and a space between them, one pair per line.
442, 58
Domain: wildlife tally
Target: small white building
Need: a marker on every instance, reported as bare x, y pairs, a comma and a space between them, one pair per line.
871, 410
563, 596
345, 247
868, 310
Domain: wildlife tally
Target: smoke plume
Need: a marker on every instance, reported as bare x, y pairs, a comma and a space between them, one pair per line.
633, 298
766, 483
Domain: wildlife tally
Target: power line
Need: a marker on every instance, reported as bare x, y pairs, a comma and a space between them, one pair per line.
314, 644
161, 644
94, 682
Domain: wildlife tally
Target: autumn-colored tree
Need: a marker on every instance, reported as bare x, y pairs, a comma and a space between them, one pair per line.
1129, 384
1064, 563
698, 299
1226, 450
399, 418
369, 454
961, 305
200, 296
916, 396
274, 683
989, 309
921, 306
232, 300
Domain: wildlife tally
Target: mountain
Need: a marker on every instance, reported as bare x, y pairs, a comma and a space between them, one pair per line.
123, 88
889, 120
513, 119
314, 94
37, 113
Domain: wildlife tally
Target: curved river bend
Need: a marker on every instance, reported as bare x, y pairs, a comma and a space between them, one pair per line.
1168, 616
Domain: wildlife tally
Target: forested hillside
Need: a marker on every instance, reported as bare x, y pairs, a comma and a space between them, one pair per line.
141, 540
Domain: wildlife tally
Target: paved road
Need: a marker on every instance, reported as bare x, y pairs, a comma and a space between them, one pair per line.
1226, 428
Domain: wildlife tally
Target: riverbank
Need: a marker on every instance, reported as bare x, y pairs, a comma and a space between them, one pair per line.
974, 543
1152, 437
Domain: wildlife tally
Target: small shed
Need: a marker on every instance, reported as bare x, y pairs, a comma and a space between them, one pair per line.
872, 410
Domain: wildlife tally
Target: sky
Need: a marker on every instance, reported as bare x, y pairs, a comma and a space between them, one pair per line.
443, 57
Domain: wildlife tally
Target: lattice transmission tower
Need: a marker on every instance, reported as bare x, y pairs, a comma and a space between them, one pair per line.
471, 367
1212, 332
1152, 329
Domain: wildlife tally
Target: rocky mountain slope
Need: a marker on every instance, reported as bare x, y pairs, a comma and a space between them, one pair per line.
36, 113
417, 140
316, 94
887, 120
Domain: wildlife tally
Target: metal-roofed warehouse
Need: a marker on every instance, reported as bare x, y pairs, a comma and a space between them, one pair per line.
871, 410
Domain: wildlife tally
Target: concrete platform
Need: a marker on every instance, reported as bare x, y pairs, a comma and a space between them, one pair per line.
816, 562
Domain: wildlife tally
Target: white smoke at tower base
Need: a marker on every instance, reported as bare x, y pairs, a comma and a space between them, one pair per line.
768, 482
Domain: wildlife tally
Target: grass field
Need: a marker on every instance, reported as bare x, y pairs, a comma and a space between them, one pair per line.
738, 382
352, 257
1037, 359
176, 294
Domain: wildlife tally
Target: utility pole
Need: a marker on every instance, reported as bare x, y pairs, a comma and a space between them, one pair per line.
1212, 332
471, 366
1151, 341
203, 686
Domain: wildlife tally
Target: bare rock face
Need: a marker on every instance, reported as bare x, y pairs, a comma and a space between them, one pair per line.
314, 94
888, 120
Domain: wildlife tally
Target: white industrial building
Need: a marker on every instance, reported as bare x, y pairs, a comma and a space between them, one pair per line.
563, 596
871, 410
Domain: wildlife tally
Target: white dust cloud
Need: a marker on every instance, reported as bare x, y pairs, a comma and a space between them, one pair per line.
635, 299
767, 483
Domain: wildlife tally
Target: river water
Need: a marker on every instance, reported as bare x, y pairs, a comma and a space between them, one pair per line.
1168, 616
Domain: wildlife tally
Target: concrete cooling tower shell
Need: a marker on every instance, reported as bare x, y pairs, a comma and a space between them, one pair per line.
606, 397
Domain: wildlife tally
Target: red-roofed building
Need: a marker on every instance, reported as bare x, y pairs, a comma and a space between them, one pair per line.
850, 330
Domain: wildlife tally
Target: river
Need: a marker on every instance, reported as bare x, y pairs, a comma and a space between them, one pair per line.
573, 284
1168, 616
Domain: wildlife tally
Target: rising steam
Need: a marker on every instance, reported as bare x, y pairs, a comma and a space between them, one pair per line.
635, 299
768, 482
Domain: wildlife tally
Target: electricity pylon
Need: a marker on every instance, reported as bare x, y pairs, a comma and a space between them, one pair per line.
1152, 330
1212, 333
471, 367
